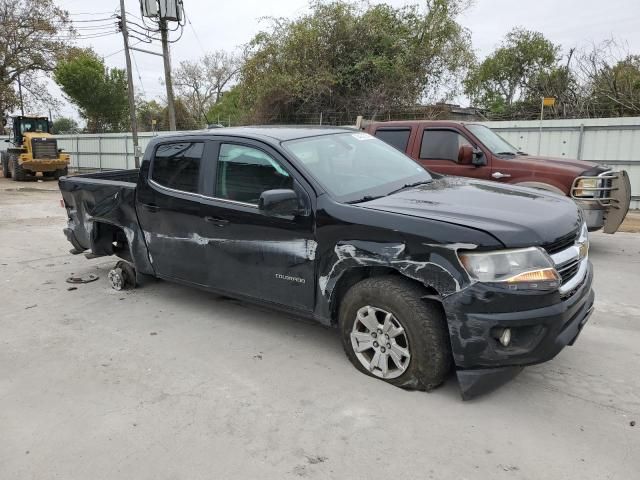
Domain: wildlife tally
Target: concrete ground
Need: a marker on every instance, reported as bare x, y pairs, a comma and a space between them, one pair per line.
168, 382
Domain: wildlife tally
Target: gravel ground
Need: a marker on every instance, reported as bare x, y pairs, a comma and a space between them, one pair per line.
168, 382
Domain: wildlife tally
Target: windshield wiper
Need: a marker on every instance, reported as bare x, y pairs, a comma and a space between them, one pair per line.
520, 152
410, 185
366, 198
506, 153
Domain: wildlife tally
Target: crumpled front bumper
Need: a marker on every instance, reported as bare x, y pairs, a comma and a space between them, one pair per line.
541, 323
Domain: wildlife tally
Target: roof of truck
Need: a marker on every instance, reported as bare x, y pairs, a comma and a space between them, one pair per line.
278, 133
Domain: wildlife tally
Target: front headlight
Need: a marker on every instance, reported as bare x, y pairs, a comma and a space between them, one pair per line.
527, 267
583, 186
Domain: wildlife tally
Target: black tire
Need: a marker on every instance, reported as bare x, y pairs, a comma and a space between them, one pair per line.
62, 172
19, 173
5, 165
423, 322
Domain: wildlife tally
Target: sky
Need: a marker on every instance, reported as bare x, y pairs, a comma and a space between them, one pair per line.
223, 24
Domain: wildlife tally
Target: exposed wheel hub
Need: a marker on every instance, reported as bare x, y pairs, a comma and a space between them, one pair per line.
116, 278
380, 342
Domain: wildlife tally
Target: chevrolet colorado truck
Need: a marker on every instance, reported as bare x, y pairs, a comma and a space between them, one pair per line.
474, 150
420, 272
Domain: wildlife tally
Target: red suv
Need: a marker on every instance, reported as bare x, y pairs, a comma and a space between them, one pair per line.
474, 150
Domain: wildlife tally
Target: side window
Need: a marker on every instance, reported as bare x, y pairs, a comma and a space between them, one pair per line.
245, 172
177, 166
441, 145
396, 137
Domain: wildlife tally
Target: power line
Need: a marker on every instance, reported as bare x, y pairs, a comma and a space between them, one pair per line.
135, 63
195, 34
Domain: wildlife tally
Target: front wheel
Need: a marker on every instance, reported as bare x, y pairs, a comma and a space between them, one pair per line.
390, 332
62, 172
19, 174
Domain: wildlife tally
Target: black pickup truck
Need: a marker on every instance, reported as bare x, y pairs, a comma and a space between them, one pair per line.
418, 271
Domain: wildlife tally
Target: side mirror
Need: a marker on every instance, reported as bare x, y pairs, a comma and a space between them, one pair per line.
479, 160
465, 155
278, 202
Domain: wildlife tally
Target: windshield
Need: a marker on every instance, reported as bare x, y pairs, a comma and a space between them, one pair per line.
492, 140
33, 125
352, 166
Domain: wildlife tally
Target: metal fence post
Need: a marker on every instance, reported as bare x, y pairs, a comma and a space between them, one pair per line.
126, 150
78, 150
580, 141
100, 153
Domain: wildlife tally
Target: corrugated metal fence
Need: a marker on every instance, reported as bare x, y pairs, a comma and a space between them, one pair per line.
613, 141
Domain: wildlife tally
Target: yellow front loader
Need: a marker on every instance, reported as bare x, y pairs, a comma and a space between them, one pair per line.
33, 149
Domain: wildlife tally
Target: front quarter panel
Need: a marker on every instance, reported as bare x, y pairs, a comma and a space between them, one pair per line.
350, 238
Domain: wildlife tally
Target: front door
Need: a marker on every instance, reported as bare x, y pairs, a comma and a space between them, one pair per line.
437, 149
267, 258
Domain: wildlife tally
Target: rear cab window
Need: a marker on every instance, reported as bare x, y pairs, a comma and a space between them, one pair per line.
396, 137
177, 166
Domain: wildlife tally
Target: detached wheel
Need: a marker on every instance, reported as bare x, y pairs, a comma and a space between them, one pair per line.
390, 332
122, 276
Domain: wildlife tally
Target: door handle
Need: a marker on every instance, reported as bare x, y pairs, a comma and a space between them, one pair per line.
498, 175
151, 207
217, 221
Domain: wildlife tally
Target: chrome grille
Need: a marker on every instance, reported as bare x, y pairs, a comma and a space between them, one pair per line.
44, 148
570, 262
562, 243
568, 270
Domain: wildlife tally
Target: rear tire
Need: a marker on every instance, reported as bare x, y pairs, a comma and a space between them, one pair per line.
419, 358
19, 173
5, 165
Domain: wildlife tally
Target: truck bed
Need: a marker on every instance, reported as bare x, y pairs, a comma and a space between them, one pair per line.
102, 213
127, 176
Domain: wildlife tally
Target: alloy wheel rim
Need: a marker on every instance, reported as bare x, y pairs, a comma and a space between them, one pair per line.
380, 342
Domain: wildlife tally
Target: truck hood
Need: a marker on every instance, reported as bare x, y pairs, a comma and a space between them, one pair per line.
516, 216
567, 165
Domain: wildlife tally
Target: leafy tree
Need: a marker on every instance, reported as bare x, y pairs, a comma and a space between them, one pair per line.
353, 59
34, 34
100, 93
148, 112
610, 79
228, 110
63, 125
615, 89
506, 76
200, 83
184, 117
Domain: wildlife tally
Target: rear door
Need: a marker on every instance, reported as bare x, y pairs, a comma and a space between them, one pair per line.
437, 149
264, 257
169, 208
397, 137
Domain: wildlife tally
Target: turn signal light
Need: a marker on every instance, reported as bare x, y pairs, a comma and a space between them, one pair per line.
542, 275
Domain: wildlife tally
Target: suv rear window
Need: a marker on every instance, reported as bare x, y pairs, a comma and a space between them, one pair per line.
177, 166
396, 137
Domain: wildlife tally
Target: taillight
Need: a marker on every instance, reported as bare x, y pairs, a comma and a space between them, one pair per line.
62, 202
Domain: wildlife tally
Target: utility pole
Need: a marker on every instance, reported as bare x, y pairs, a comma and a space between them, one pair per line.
132, 101
167, 74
